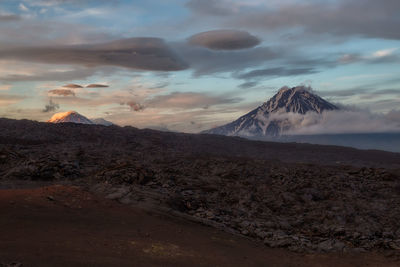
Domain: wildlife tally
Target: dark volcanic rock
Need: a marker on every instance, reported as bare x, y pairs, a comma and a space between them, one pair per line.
285, 195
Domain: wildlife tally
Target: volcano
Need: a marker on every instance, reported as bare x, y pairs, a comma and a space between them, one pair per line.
264, 120
69, 116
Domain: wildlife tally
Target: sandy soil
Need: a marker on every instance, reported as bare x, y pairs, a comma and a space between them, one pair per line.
63, 225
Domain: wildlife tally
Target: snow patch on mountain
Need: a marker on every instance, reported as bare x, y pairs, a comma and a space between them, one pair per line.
69, 116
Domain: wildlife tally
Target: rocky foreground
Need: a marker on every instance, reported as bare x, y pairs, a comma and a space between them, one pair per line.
305, 198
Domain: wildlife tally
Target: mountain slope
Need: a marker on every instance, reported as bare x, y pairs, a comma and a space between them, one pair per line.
258, 122
101, 121
69, 116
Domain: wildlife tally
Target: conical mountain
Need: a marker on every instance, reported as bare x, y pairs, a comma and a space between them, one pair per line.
288, 100
69, 116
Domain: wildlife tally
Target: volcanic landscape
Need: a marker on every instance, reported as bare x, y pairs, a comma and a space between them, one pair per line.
78, 194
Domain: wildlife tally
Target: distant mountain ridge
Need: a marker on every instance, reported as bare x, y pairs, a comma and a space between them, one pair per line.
101, 121
75, 117
298, 99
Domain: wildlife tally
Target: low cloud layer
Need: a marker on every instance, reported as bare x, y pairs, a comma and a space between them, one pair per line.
133, 53
339, 121
225, 40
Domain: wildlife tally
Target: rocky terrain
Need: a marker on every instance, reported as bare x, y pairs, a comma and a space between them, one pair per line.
65, 225
304, 208
306, 198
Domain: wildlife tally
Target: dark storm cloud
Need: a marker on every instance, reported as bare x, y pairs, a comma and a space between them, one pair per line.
51, 106
72, 85
209, 7
9, 17
96, 85
62, 92
133, 53
263, 73
224, 40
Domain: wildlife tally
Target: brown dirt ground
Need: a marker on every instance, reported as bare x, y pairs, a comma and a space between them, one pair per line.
63, 225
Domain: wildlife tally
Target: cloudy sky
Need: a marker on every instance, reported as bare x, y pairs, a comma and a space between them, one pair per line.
188, 65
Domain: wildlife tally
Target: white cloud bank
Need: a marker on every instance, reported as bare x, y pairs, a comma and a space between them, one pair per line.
335, 122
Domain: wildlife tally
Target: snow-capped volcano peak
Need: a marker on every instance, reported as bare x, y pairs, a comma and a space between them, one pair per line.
298, 99
69, 116
263, 120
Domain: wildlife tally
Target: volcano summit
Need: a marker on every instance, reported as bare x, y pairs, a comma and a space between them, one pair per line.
69, 116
